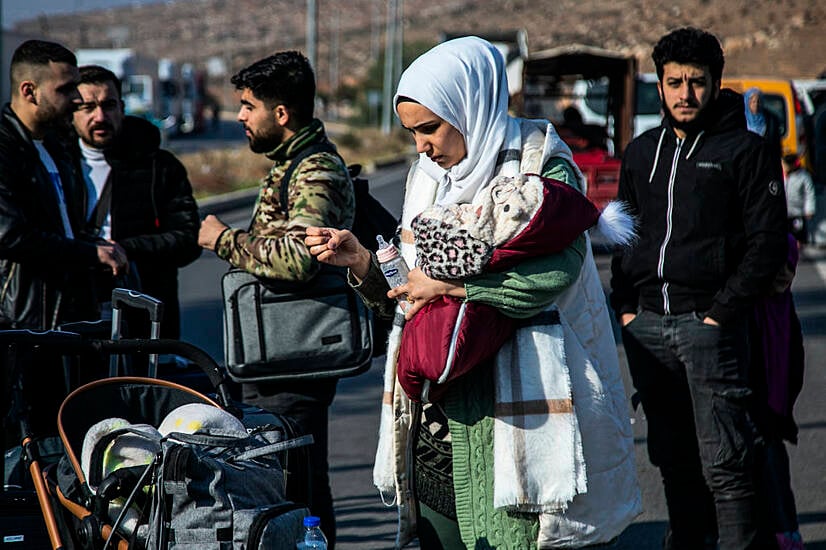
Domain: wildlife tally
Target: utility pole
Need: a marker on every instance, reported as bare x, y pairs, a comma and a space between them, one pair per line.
335, 29
397, 71
312, 31
375, 31
390, 43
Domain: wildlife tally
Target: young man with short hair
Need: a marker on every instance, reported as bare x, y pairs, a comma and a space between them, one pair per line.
44, 261
277, 100
709, 198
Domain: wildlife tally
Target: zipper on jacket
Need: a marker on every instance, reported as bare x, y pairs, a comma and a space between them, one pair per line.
454, 338
669, 221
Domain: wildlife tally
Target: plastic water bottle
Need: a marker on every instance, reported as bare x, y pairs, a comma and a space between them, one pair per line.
393, 267
313, 536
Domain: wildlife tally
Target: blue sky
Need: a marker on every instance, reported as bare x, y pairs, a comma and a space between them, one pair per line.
15, 10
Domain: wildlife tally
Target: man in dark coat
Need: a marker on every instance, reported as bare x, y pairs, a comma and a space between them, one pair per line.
138, 194
45, 263
712, 238
43, 259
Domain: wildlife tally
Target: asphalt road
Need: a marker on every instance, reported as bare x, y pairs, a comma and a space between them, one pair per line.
364, 522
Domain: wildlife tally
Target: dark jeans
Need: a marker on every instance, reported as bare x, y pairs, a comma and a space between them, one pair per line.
307, 403
691, 379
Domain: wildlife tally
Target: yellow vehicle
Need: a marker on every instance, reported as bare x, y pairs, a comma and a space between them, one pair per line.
780, 98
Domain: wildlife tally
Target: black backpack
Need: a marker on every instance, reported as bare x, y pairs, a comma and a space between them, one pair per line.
371, 219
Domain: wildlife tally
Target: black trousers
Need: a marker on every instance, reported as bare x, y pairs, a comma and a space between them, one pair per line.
307, 403
693, 386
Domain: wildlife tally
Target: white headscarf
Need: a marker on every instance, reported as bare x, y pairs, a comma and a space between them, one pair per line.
463, 81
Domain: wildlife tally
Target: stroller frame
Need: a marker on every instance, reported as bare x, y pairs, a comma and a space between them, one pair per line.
67, 343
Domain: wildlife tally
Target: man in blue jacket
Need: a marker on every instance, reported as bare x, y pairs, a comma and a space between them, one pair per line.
709, 198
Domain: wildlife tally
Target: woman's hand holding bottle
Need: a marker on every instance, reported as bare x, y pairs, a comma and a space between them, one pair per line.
338, 247
421, 290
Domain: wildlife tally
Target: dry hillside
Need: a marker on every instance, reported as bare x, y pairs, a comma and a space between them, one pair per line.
761, 37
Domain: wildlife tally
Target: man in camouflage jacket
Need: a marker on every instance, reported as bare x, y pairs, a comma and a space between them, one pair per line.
277, 99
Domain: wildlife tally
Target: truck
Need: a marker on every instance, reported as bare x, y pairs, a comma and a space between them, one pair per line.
138, 75
169, 94
549, 90
591, 98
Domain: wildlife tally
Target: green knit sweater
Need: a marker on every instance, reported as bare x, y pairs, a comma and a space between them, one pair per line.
523, 291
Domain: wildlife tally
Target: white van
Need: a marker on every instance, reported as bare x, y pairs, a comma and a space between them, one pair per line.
591, 98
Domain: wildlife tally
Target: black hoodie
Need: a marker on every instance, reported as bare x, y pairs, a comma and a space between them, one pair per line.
712, 218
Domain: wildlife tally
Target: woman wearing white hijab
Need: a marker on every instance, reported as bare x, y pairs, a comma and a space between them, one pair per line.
534, 449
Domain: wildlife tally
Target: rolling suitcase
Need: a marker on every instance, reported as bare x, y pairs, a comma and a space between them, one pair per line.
130, 310
21, 523
27, 451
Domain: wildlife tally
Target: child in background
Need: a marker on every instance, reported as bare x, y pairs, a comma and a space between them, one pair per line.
800, 197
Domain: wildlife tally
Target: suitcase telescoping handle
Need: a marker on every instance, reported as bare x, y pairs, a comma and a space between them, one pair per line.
130, 298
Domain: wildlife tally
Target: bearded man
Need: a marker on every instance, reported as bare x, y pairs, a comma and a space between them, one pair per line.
137, 195
277, 101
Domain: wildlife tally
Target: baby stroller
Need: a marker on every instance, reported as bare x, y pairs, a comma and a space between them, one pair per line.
186, 486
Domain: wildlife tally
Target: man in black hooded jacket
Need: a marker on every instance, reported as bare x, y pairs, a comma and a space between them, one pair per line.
148, 208
709, 198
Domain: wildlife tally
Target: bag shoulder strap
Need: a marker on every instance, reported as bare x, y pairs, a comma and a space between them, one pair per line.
320, 147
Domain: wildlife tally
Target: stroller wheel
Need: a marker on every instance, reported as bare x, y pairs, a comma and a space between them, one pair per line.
89, 532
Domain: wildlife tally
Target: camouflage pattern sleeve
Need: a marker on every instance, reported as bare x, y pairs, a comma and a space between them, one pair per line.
320, 194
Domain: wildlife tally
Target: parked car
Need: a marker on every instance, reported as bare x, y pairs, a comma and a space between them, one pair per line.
812, 94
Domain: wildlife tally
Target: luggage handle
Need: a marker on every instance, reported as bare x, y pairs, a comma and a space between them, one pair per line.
273, 448
136, 300
216, 440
